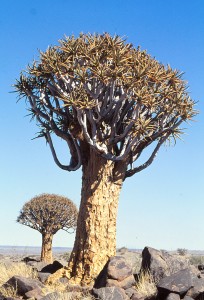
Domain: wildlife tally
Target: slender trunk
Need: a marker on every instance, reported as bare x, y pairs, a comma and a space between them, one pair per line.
46, 251
95, 238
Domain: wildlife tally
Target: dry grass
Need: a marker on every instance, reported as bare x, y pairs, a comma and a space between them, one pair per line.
57, 290
8, 270
146, 285
9, 291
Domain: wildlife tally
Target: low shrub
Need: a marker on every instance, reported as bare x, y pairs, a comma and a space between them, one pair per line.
8, 270
182, 251
196, 260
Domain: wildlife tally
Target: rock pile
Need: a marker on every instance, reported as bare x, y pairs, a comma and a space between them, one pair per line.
174, 279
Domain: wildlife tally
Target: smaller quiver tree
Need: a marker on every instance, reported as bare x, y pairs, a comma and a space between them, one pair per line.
48, 213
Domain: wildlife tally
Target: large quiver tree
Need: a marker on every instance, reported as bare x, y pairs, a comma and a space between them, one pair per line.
48, 213
108, 101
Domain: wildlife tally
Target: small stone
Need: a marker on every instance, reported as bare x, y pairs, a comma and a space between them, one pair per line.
187, 298
110, 293
51, 296
43, 276
112, 282
137, 296
124, 284
173, 296
35, 293
129, 292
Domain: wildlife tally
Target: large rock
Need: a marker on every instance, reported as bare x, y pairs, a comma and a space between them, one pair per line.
117, 272
110, 293
24, 284
161, 264
178, 283
197, 289
118, 268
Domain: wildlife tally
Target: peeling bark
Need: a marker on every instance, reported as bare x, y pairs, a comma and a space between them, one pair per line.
46, 251
95, 238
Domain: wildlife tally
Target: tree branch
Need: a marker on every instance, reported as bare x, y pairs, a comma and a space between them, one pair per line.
63, 167
130, 173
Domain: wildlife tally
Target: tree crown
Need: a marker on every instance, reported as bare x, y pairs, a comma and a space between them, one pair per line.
49, 213
102, 91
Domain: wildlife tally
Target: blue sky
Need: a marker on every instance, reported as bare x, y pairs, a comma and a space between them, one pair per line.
163, 205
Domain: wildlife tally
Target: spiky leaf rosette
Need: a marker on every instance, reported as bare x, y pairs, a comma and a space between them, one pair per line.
102, 91
49, 213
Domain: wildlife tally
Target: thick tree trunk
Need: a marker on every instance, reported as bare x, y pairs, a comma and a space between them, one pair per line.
46, 251
95, 238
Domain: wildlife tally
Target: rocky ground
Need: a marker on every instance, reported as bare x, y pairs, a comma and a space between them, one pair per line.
152, 274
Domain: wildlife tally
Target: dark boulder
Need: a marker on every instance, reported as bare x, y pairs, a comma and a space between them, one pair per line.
10, 298
23, 284
197, 288
178, 283
161, 264
28, 259
201, 267
52, 268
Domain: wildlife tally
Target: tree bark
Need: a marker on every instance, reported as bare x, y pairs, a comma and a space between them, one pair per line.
46, 251
95, 240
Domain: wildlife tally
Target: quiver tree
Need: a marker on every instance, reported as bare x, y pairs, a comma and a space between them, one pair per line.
48, 213
108, 101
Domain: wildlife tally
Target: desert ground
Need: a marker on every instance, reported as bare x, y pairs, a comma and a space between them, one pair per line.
26, 263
